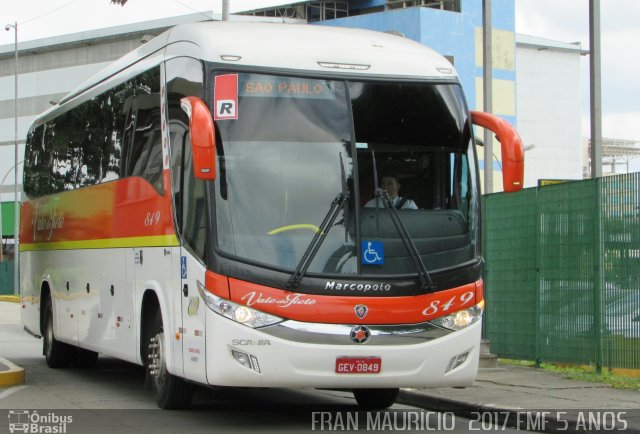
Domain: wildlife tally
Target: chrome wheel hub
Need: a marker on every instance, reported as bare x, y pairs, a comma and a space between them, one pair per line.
157, 368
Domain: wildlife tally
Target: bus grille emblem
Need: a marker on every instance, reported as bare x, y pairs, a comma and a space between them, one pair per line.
361, 310
360, 334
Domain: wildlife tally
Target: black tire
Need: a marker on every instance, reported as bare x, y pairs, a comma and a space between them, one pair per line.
375, 399
57, 354
169, 391
84, 358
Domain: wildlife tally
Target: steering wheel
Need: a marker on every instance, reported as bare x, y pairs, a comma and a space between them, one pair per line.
307, 226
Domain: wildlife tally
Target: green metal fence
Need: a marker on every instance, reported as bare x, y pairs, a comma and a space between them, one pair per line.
6, 278
6, 232
6, 208
563, 272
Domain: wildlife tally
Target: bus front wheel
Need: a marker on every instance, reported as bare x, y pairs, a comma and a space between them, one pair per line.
56, 353
375, 399
170, 392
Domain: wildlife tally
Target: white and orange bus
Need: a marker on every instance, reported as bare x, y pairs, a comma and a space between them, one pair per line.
198, 207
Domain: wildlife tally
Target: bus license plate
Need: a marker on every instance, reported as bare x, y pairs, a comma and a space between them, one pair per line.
358, 365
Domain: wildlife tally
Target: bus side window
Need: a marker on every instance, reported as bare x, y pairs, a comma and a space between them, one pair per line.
185, 77
146, 149
194, 213
36, 164
142, 129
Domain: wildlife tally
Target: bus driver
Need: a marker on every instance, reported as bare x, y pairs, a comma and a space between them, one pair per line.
391, 184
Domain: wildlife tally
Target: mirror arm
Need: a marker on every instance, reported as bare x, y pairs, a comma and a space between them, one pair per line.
511, 147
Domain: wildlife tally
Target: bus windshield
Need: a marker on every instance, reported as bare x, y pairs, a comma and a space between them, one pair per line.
294, 145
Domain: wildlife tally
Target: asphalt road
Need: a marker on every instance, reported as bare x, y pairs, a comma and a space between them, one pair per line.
111, 398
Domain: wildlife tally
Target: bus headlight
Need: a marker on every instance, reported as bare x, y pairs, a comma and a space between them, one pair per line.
239, 313
460, 319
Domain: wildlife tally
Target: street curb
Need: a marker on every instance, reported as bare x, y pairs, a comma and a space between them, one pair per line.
11, 298
12, 376
471, 411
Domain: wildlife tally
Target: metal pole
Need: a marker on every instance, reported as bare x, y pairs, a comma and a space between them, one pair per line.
595, 88
596, 169
487, 68
16, 210
225, 10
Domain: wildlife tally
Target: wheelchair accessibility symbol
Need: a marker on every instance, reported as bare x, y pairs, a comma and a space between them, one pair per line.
372, 252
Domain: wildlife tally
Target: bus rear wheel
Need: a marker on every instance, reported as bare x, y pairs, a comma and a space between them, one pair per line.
170, 392
56, 353
375, 399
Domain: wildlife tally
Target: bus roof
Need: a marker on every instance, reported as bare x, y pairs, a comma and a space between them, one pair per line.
298, 47
306, 46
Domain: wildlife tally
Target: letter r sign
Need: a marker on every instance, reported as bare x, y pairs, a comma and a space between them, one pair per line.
226, 109
225, 97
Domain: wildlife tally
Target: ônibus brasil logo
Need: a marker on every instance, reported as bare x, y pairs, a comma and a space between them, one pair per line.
31, 422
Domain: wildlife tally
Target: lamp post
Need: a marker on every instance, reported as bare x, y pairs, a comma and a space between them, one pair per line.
487, 86
16, 223
225, 10
595, 85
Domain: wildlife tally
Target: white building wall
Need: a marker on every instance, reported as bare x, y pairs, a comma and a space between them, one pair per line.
548, 100
51, 81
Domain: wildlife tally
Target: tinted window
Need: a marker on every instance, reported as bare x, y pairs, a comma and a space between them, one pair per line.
281, 165
143, 133
36, 164
79, 140
289, 158
184, 78
88, 144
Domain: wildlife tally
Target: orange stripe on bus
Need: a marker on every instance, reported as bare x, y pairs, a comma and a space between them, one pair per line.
126, 208
217, 284
342, 309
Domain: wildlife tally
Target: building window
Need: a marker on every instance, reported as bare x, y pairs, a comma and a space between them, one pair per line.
445, 5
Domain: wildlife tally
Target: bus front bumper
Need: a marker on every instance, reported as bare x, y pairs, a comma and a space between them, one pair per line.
237, 355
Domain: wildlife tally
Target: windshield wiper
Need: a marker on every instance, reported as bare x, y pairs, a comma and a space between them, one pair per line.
423, 273
345, 194
318, 238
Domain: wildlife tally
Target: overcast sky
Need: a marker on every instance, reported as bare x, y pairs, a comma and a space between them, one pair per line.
568, 21
563, 20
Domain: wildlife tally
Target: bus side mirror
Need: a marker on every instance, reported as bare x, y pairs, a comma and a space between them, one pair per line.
203, 141
511, 145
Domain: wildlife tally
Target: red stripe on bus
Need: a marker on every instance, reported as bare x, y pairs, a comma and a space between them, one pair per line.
217, 284
347, 309
480, 290
128, 207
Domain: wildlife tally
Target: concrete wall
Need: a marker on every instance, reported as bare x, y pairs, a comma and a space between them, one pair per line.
549, 104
